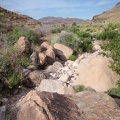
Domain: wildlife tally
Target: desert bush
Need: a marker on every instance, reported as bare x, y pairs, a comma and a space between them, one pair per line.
114, 92
75, 30
84, 34
79, 88
56, 30
13, 79
86, 45
74, 24
9, 62
107, 35
22, 31
69, 39
111, 43
114, 47
72, 58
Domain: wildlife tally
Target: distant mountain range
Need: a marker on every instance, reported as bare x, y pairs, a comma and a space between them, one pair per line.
110, 16
60, 20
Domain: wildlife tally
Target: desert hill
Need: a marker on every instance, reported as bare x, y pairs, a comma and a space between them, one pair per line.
9, 19
110, 16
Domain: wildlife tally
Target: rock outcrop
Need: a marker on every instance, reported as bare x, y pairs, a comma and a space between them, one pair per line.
90, 70
81, 106
50, 55
36, 77
50, 85
63, 51
94, 72
42, 58
22, 45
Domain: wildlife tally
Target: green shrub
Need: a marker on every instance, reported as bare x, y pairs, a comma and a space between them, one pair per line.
56, 30
69, 39
114, 47
22, 31
118, 83
114, 92
84, 34
13, 80
75, 30
72, 58
107, 35
74, 24
79, 88
87, 45
9, 63
22, 60
112, 44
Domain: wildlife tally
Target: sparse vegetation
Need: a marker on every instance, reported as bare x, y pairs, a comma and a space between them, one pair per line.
112, 44
22, 31
72, 40
79, 88
56, 30
9, 63
72, 58
115, 92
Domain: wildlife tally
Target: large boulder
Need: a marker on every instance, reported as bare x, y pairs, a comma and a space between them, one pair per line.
36, 77
54, 68
50, 55
42, 58
80, 106
63, 51
34, 58
47, 106
97, 106
50, 85
94, 72
22, 45
44, 46
67, 90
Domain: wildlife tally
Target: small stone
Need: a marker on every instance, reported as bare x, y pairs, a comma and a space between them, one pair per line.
73, 78
34, 58
15, 92
65, 84
70, 73
75, 65
32, 67
64, 78
25, 72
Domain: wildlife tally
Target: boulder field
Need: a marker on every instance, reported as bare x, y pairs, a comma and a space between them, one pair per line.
54, 96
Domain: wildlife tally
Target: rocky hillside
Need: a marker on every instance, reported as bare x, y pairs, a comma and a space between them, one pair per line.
9, 19
58, 20
110, 16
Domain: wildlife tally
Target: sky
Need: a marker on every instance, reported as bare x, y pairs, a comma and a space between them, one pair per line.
84, 9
